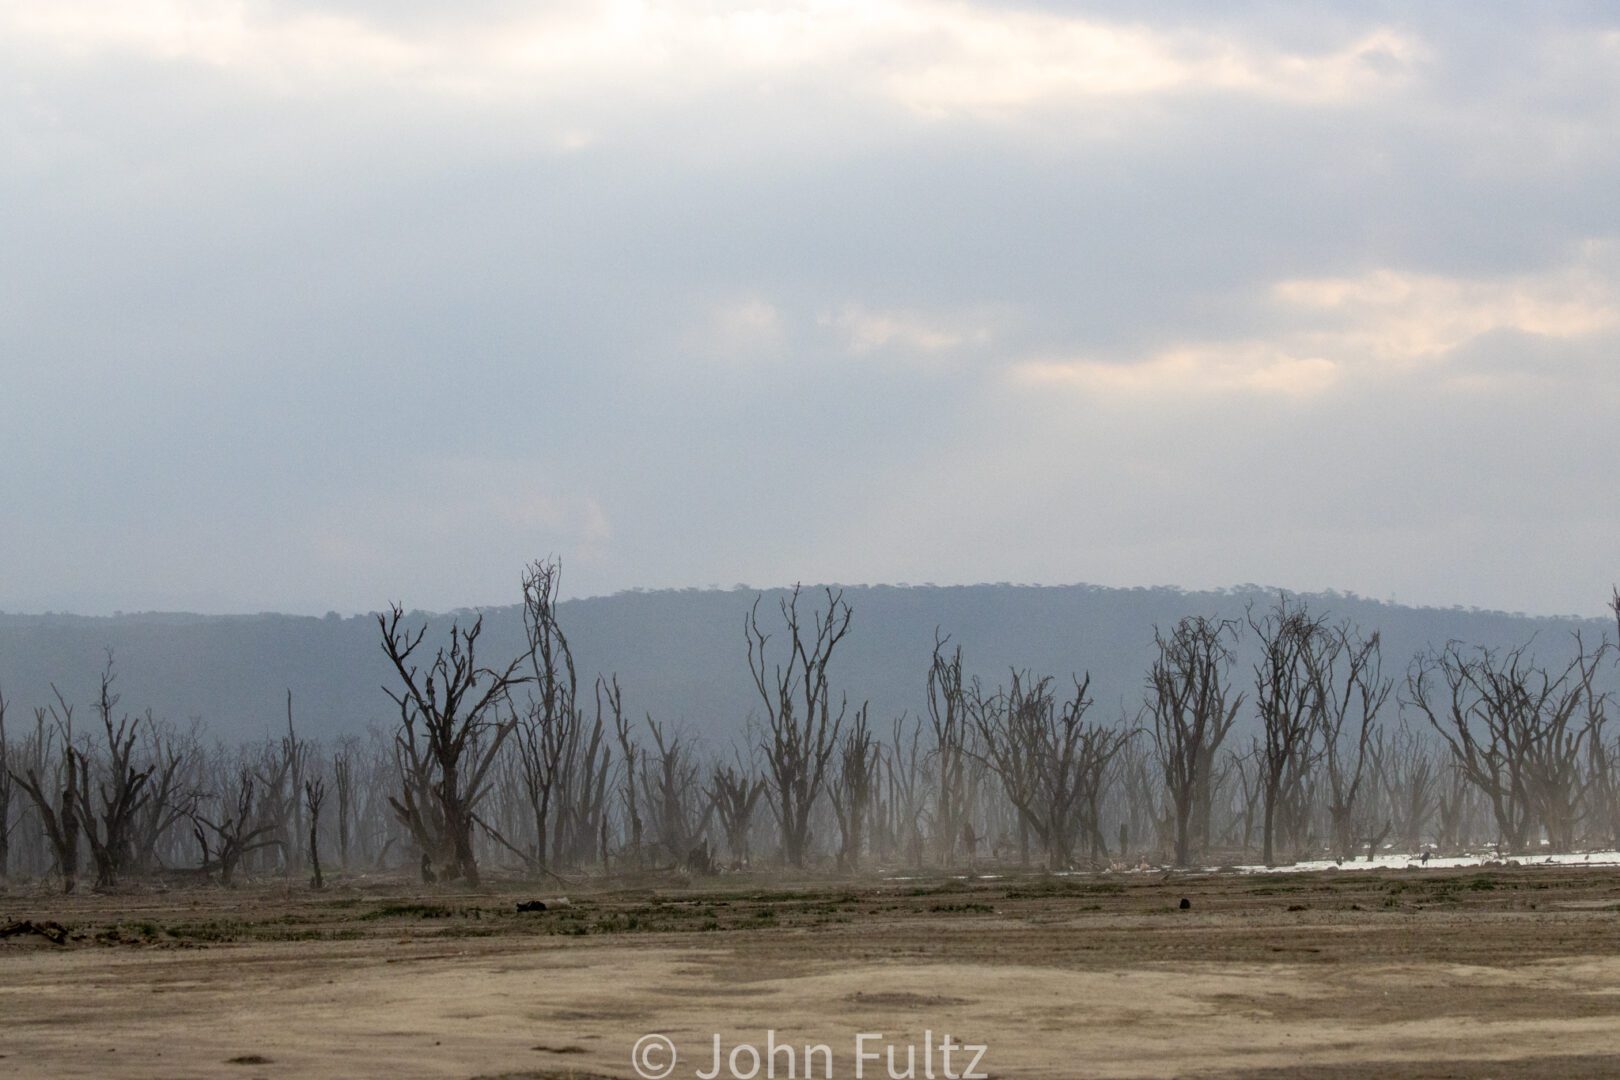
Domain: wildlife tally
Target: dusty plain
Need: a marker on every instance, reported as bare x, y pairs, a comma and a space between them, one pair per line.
1492, 972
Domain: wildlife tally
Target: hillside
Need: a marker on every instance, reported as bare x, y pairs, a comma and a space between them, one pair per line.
679, 654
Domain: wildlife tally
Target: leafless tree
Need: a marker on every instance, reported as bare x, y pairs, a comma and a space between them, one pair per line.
631, 759
235, 832
852, 788
1050, 761
1147, 820
1515, 729
1249, 768
120, 783
1192, 708
802, 728
947, 717
314, 796
343, 781
679, 807
904, 773
1291, 700
58, 813
1410, 776
171, 793
735, 791
453, 719
1354, 692
549, 733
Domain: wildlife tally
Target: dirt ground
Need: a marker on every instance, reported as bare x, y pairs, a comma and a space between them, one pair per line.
1504, 972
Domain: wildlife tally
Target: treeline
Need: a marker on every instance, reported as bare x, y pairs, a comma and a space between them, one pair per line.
1316, 748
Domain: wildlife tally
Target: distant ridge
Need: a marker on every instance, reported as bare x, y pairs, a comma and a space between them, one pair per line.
679, 652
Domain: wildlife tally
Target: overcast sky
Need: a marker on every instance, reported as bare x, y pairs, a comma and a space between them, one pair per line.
310, 306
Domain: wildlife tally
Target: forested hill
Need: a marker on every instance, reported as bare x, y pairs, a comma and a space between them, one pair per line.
679, 654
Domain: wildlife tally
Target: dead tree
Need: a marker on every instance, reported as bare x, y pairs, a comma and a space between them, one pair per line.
548, 726
55, 797
1192, 708
451, 727
678, 805
903, 770
170, 792
1515, 729
1354, 692
1050, 761
802, 728
343, 780
236, 833
121, 785
947, 717
314, 795
1145, 808
1008, 722
295, 752
1410, 775
1451, 808
275, 798
1290, 698
608, 693
735, 791
852, 788
1250, 770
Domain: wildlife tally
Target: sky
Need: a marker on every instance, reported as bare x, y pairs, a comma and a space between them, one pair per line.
315, 306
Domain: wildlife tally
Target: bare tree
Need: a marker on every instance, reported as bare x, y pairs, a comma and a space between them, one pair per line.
343, 780
679, 807
852, 788
58, 813
1515, 729
314, 796
735, 792
1354, 692
171, 795
608, 692
1192, 708
1410, 776
907, 789
1290, 698
947, 716
452, 721
548, 727
1050, 761
802, 733
236, 832
121, 785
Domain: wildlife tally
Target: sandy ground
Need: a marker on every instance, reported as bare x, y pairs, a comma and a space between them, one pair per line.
1507, 972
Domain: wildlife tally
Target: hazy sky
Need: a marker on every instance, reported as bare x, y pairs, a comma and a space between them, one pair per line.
310, 306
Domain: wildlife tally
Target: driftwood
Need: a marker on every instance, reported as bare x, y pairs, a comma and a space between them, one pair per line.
54, 932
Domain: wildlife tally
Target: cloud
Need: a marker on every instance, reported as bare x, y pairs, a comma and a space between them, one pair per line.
318, 301
1244, 368
911, 336
741, 330
1379, 326
1406, 317
934, 57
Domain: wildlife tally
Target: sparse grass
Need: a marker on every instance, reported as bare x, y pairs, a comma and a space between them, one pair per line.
398, 911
